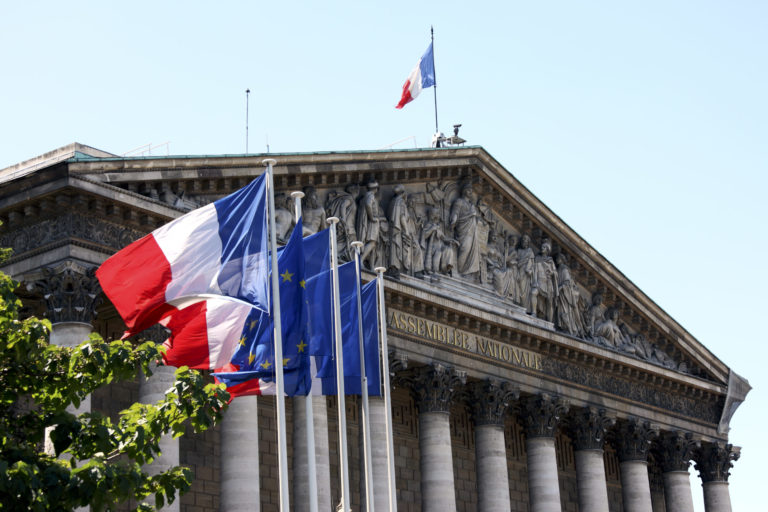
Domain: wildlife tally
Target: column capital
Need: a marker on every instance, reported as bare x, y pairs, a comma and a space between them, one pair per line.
633, 439
541, 414
490, 401
435, 386
71, 292
676, 450
714, 460
588, 426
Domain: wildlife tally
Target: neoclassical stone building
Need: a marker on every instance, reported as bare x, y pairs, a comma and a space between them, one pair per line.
528, 373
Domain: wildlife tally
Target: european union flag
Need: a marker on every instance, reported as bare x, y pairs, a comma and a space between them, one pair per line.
298, 260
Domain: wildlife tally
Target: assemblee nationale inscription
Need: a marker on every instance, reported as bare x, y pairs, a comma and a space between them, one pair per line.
435, 332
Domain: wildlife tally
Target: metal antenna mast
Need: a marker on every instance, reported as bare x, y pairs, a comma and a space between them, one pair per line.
247, 97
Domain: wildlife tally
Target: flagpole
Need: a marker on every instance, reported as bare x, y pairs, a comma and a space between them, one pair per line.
434, 71
342, 410
387, 400
282, 448
309, 420
366, 423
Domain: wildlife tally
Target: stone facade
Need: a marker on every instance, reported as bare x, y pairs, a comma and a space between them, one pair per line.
527, 351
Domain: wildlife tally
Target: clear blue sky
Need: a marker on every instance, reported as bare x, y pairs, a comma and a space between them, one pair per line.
643, 126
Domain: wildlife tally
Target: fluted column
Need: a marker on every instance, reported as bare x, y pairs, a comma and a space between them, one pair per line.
150, 391
633, 441
676, 450
301, 490
541, 415
434, 388
240, 456
490, 402
588, 431
713, 462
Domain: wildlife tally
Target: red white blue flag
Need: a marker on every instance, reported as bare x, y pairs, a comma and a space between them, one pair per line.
219, 249
422, 76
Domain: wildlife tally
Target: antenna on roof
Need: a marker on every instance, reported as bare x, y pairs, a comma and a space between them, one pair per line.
440, 141
247, 97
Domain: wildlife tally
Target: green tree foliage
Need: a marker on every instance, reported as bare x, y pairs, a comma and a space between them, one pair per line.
37, 383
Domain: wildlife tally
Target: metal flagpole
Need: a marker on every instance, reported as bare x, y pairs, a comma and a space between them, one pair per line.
434, 72
387, 400
343, 461
366, 423
308, 411
282, 448
247, 97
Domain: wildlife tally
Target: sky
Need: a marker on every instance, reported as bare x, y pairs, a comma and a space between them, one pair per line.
642, 125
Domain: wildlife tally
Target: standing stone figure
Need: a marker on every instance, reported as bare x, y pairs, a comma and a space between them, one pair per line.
502, 266
525, 269
283, 217
438, 256
312, 214
344, 206
592, 317
371, 227
404, 250
569, 317
544, 288
465, 223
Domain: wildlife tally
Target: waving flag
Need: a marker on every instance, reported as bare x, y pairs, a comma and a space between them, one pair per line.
219, 249
422, 77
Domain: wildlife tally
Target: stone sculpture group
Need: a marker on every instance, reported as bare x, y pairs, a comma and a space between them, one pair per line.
447, 231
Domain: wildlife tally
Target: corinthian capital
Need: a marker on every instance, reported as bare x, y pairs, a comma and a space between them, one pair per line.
541, 414
714, 461
490, 401
435, 386
633, 439
71, 293
588, 427
676, 450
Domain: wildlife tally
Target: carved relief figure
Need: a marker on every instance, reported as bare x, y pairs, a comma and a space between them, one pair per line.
464, 223
344, 206
544, 288
608, 332
371, 227
502, 266
525, 269
593, 315
405, 253
283, 217
438, 255
312, 214
569, 317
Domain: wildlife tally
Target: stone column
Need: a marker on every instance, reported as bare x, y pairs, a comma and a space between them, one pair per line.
490, 401
71, 293
713, 462
240, 456
633, 440
300, 462
378, 413
541, 415
676, 450
150, 391
588, 432
434, 388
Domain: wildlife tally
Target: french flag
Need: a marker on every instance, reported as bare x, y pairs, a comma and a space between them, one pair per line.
219, 249
422, 76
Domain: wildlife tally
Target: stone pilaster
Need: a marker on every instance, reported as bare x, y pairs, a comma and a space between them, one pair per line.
434, 388
541, 414
675, 450
633, 441
588, 428
152, 390
240, 456
713, 462
490, 402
